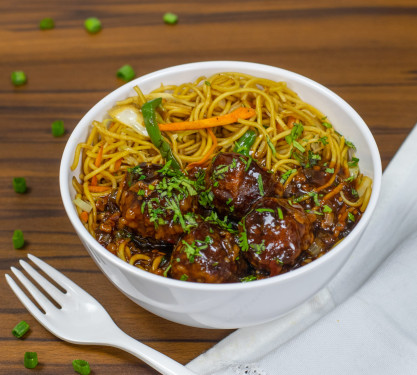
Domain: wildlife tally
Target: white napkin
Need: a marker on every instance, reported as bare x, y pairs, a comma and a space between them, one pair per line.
365, 320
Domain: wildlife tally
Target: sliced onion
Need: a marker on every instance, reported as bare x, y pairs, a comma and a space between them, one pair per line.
82, 204
316, 247
131, 116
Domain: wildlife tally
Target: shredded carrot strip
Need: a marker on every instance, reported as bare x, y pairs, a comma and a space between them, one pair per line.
84, 216
99, 158
332, 193
118, 164
206, 156
97, 163
98, 189
230, 118
291, 121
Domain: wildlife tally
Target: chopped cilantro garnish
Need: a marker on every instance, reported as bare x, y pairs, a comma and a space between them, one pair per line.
354, 192
248, 278
327, 209
323, 140
353, 162
287, 174
350, 145
243, 237
258, 247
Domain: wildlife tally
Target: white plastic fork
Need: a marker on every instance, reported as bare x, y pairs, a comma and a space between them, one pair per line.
81, 318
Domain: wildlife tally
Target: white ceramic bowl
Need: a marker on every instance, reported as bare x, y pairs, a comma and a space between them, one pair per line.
238, 304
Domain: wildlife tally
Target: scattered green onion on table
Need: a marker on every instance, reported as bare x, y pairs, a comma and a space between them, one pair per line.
126, 73
30, 359
92, 25
170, 18
18, 78
20, 329
58, 128
47, 24
19, 185
18, 239
81, 366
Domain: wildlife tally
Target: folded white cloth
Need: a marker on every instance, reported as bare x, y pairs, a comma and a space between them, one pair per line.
365, 320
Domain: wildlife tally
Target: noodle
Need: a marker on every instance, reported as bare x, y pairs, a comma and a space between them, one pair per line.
280, 114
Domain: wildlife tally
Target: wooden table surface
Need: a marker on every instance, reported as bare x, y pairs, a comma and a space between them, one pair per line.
365, 51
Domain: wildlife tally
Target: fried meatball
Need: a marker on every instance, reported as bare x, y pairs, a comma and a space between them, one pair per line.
158, 206
236, 182
274, 234
207, 254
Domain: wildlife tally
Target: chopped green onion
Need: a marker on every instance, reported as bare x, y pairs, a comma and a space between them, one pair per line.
18, 78
327, 209
353, 162
323, 140
327, 125
31, 359
248, 278
58, 129
170, 18
350, 145
298, 146
350, 179
330, 170
280, 214
351, 217
47, 24
207, 83
287, 174
81, 366
261, 185
264, 210
184, 277
92, 25
20, 329
18, 240
126, 73
19, 185
167, 270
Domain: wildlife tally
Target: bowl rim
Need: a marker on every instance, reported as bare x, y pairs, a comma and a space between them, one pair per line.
221, 66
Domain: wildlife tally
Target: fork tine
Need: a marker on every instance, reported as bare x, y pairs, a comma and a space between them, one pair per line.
34, 291
30, 306
57, 276
53, 291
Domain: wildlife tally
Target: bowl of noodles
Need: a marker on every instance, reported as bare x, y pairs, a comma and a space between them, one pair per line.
220, 194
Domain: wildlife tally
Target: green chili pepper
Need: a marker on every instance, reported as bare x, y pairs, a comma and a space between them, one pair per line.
149, 117
245, 142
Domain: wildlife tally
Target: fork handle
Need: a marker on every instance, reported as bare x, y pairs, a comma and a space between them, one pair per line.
152, 357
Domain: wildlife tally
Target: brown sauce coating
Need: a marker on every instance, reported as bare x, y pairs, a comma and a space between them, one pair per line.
232, 221
276, 234
236, 182
143, 207
207, 254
